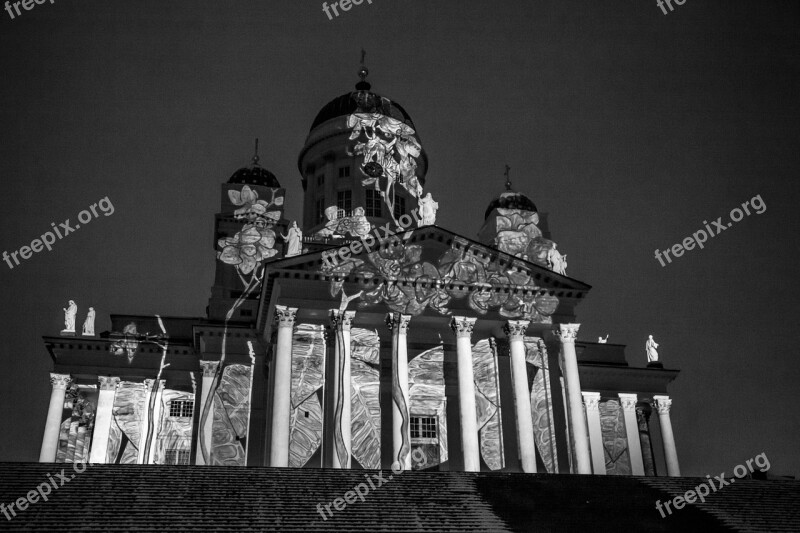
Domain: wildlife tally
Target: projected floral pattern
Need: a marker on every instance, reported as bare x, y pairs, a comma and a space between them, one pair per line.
409, 284
388, 148
126, 423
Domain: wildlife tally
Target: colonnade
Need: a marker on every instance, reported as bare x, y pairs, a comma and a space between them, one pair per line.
583, 406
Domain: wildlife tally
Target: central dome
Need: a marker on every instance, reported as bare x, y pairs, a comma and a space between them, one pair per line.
511, 200
345, 105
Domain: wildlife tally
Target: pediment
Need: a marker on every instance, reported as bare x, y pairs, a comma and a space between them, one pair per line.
433, 268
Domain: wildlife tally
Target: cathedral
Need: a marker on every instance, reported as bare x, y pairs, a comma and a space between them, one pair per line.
364, 336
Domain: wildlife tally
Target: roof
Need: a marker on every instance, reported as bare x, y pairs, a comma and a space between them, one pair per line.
345, 105
255, 175
510, 200
194, 498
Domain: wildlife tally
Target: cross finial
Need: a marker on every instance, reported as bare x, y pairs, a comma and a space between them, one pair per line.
507, 174
363, 55
256, 159
363, 72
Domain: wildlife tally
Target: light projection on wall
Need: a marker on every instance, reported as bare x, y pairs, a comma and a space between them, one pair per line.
228, 400
355, 225
74, 439
409, 283
231, 416
426, 390
365, 414
615, 440
387, 145
308, 377
126, 423
487, 403
173, 433
544, 433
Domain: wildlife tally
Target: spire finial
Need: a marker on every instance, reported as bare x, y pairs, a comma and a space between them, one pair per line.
508, 177
363, 72
256, 159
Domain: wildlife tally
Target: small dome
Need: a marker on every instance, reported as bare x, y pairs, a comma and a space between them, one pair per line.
346, 105
255, 175
511, 200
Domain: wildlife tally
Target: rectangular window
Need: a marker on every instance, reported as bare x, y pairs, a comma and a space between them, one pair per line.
181, 408
399, 207
173, 456
344, 202
320, 211
423, 427
373, 204
344, 172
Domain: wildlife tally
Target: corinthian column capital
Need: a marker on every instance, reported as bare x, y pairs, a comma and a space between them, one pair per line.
515, 329
663, 404
108, 382
398, 322
567, 333
60, 381
628, 401
285, 316
462, 326
591, 400
209, 368
342, 319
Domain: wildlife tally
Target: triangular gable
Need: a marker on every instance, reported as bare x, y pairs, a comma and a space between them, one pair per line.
431, 267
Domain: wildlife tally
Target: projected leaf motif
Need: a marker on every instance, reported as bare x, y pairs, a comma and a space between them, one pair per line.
308, 377
615, 440
305, 435
231, 409
487, 401
365, 408
409, 284
126, 422
427, 396
544, 432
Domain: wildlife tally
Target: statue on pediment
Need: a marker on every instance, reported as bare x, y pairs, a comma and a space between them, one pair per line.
650, 346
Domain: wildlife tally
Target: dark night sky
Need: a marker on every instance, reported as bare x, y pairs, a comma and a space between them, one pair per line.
627, 126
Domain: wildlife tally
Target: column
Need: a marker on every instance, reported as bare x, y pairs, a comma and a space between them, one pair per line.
401, 402
204, 430
55, 412
515, 330
282, 390
591, 401
102, 420
628, 402
466, 393
663, 404
342, 389
567, 334
148, 436
643, 418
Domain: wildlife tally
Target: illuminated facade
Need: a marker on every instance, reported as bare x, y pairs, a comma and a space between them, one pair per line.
383, 340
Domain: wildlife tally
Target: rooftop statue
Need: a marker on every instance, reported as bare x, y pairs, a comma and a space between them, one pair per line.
294, 241
557, 262
428, 208
88, 324
650, 346
69, 317
601, 340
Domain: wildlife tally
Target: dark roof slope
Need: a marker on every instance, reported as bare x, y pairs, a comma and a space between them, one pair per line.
191, 498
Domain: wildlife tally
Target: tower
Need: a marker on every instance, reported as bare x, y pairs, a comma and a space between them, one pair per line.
251, 211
